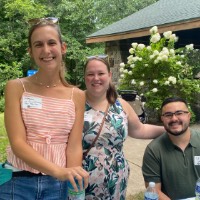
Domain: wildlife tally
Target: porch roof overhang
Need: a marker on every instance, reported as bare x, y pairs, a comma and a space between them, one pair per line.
179, 26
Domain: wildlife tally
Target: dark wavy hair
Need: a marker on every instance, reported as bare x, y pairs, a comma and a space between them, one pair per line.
111, 92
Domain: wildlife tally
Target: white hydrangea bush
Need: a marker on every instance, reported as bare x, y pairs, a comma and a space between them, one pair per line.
159, 70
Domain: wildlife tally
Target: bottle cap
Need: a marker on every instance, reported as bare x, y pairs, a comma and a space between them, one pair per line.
152, 184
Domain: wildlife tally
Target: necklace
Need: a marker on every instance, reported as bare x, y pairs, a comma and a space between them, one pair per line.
47, 86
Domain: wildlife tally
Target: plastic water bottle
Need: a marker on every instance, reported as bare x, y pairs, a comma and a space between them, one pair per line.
150, 193
197, 189
73, 195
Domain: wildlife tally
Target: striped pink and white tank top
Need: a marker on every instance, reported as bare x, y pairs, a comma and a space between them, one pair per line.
48, 122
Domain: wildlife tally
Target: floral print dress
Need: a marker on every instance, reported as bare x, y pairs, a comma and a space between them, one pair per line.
105, 162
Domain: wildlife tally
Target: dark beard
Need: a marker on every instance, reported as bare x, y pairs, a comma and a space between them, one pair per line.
176, 133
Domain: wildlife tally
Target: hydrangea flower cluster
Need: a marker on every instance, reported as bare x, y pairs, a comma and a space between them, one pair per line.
159, 70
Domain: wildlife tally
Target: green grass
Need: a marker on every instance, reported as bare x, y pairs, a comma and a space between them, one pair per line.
3, 145
139, 196
2, 127
3, 139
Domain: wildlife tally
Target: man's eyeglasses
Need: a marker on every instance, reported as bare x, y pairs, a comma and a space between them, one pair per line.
47, 20
101, 56
178, 113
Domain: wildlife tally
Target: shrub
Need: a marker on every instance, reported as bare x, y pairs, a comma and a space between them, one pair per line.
159, 70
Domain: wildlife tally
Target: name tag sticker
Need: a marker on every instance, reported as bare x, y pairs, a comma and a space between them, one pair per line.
32, 102
196, 160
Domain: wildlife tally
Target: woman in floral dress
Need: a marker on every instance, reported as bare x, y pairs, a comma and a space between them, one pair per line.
105, 162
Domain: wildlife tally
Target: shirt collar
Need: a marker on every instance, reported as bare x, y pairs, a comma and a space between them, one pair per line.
193, 140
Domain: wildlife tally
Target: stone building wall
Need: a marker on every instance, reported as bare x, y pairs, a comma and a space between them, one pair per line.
113, 51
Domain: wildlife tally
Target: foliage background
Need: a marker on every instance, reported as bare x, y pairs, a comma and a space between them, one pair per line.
77, 19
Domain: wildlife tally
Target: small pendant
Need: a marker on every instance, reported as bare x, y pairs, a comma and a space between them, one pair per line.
47, 86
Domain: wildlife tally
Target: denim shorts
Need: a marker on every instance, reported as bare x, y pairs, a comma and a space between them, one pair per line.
41, 187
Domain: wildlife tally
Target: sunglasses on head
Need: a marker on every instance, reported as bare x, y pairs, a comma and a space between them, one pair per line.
47, 20
101, 56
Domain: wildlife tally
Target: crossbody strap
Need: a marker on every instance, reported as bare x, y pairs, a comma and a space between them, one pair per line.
100, 128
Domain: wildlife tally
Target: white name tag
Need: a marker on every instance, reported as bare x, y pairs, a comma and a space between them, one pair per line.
32, 102
196, 160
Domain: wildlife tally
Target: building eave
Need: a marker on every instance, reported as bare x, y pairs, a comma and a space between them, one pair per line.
178, 26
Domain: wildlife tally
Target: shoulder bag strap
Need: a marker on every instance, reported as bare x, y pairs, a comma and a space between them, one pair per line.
100, 128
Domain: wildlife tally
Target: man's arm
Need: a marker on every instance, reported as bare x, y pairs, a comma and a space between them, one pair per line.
151, 169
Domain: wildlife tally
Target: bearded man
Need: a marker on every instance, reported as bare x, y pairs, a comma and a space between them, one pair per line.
172, 160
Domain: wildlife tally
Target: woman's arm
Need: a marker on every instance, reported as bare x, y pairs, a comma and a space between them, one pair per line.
74, 146
138, 130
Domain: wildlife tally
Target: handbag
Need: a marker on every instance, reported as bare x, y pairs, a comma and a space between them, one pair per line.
100, 128
5, 174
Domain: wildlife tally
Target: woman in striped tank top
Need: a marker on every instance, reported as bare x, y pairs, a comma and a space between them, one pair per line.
44, 122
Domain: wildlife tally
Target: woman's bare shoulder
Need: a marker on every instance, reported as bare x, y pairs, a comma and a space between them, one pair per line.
13, 89
14, 84
78, 91
78, 95
124, 103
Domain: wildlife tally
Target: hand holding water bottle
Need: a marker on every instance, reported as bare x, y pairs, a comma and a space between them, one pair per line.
76, 195
150, 193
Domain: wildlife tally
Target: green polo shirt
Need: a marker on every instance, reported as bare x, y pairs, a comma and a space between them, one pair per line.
165, 163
